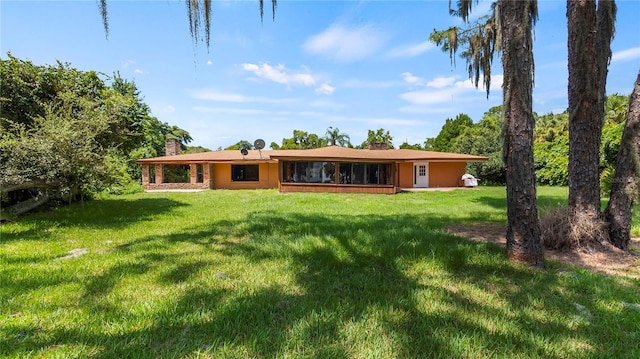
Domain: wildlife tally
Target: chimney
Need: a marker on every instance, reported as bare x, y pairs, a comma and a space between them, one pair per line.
378, 146
172, 147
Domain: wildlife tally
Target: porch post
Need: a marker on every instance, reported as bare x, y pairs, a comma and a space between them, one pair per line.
145, 174
193, 173
207, 172
160, 174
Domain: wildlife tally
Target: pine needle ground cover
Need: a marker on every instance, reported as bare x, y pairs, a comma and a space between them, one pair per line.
259, 274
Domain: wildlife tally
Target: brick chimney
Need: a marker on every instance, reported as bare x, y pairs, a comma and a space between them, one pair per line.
172, 147
378, 146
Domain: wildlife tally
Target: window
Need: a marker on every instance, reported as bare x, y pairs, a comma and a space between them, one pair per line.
358, 173
199, 173
176, 173
422, 170
347, 173
241, 173
365, 173
309, 172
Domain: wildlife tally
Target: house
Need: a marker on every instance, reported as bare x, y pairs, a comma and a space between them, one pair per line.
326, 169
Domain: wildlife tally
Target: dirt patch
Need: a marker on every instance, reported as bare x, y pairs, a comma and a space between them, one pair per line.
609, 259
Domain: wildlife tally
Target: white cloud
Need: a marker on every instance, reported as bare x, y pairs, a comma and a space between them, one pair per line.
410, 50
325, 89
409, 78
138, 71
430, 97
127, 63
280, 74
443, 90
440, 82
345, 44
170, 108
625, 55
209, 62
496, 84
213, 95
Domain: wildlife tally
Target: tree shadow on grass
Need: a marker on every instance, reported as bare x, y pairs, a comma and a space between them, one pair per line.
374, 285
501, 203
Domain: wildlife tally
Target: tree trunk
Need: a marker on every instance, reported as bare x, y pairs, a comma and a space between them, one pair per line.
625, 187
589, 50
585, 128
523, 228
28, 205
32, 184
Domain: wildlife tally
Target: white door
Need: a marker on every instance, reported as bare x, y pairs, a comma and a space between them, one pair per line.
421, 174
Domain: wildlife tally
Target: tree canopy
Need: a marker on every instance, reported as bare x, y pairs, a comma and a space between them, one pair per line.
71, 132
451, 129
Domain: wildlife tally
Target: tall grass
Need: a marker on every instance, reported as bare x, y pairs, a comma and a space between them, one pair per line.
246, 274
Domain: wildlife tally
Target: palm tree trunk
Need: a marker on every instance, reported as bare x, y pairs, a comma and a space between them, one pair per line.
584, 129
523, 228
625, 187
589, 38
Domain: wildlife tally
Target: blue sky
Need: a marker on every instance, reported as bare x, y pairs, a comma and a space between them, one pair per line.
355, 65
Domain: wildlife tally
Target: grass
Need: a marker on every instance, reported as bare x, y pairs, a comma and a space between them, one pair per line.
246, 274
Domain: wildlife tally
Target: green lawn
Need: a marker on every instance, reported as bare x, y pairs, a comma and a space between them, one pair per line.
261, 274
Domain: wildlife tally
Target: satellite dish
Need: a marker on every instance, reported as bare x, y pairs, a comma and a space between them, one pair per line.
244, 151
258, 144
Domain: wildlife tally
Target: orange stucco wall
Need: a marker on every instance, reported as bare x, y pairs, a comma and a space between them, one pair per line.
441, 174
405, 174
222, 177
446, 174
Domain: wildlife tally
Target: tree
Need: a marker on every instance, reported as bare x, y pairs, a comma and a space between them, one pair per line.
590, 32
484, 139
334, 137
378, 136
509, 27
301, 140
614, 123
196, 149
480, 39
242, 144
407, 146
450, 131
65, 132
625, 188
63, 147
516, 18
551, 149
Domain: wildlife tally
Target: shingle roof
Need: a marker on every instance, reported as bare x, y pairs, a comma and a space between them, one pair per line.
331, 153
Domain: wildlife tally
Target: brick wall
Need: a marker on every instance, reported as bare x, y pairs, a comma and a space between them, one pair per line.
172, 186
